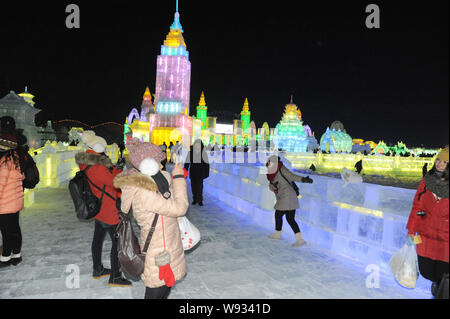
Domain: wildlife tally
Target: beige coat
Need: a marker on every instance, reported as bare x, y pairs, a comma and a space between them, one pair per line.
141, 192
286, 199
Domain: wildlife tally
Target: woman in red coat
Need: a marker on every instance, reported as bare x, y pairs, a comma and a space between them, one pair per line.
101, 173
429, 220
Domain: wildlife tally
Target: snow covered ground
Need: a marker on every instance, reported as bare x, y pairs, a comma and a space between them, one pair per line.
234, 260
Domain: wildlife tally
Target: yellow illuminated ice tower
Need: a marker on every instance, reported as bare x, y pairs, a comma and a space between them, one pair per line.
202, 110
137, 123
245, 120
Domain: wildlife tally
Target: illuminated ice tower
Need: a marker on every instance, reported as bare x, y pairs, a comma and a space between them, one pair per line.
290, 132
173, 78
202, 110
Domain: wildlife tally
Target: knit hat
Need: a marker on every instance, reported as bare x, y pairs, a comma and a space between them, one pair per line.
141, 150
7, 143
94, 142
443, 154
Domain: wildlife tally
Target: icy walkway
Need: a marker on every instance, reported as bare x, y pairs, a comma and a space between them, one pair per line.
234, 260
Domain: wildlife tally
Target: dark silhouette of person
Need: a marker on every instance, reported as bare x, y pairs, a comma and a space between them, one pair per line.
197, 163
358, 166
424, 169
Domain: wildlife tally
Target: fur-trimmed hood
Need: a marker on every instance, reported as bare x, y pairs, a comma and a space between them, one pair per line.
133, 178
84, 158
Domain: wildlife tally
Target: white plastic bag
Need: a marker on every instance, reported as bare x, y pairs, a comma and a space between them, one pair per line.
404, 266
350, 177
190, 235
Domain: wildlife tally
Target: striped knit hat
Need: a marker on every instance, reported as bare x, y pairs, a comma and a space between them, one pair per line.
141, 150
7, 143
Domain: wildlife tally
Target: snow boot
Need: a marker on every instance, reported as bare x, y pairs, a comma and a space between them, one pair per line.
200, 204
434, 288
5, 261
101, 272
276, 235
16, 259
116, 280
300, 241
194, 202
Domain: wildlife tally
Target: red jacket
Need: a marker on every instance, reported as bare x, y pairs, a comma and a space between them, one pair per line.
433, 227
101, 173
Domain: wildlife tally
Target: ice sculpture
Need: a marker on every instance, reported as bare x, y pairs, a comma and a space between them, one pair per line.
291, 135
335, 141
22, 110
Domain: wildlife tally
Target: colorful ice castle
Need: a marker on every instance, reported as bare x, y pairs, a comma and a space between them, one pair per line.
167, 119
290, 134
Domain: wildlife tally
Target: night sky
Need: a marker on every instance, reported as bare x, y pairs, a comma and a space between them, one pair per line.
386, 84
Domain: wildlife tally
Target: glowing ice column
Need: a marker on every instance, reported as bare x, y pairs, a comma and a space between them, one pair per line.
173, 75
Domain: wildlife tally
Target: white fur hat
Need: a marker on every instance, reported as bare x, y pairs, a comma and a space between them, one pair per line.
94, 142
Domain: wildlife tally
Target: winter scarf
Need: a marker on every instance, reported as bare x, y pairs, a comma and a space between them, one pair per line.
271, 177
435, 184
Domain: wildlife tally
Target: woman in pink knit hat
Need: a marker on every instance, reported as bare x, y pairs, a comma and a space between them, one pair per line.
155, 195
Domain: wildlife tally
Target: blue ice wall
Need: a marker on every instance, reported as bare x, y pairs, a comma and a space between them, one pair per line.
364, 222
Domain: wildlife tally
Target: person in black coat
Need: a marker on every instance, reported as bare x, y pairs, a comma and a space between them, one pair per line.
197, 163
358, 166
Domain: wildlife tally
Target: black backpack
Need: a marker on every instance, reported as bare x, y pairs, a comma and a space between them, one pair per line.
87, 205
31, 173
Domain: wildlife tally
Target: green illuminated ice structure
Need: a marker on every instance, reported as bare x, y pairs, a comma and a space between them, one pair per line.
290, 133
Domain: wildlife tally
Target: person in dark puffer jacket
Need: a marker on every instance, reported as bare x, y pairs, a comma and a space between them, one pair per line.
101, 173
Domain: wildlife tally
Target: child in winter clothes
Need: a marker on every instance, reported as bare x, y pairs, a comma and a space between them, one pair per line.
101, 173
429, 219
287, 200
154, 193
11, 200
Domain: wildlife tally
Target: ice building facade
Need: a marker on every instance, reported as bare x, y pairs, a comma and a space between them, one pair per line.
21, 108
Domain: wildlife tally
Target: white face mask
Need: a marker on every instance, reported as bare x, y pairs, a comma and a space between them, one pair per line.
149, 166
99, 148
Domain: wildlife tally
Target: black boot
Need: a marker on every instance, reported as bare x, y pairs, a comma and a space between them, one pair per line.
4, 264
101, 272
16, 261
194, 202
434, 288
116, 280
200, 204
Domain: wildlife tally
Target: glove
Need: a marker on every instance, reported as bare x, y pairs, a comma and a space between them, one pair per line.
307, 179
166, 273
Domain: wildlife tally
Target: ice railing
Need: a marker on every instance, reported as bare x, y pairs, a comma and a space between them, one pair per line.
364, 222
